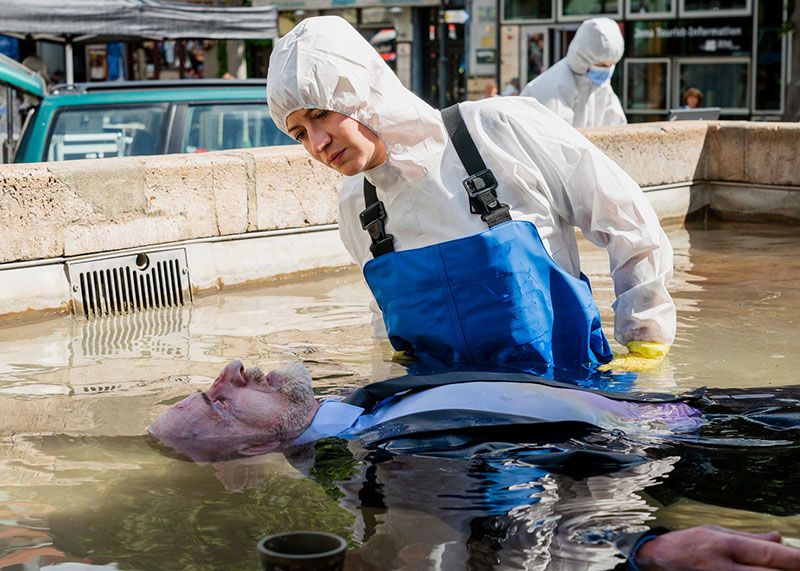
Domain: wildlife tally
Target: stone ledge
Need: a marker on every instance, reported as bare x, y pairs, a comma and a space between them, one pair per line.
50, 210
655, 153
73, 208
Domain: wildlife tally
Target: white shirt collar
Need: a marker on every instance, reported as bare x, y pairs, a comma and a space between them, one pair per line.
333, 417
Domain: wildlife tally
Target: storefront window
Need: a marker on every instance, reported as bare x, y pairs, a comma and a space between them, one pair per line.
645, 117
526, 10
375, 16
723, 82
646, 85
588, 8
695, 7
644, 8
769, 58
534, 42
349, 14
563, 38
384, 41
617, 80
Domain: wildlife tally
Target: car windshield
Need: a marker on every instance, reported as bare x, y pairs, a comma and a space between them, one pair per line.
217, 127
101, 132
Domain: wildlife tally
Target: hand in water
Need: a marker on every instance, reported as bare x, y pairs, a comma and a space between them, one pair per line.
402, 357
714, 548
641, 356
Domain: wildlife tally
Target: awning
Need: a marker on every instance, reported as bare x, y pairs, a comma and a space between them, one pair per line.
80, 21
286, 5
20, 77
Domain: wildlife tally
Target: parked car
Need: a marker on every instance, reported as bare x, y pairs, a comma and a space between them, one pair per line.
136, 118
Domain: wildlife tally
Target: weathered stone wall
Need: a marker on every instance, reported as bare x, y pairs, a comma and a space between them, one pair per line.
52, 210
753, 153
656, 153
731, 151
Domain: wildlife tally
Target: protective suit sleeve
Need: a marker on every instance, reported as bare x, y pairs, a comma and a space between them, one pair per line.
612, 211
350, 232
587, 189
556, 90
351, 201
614, 114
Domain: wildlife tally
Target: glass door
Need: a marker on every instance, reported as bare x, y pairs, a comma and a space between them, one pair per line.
534, 51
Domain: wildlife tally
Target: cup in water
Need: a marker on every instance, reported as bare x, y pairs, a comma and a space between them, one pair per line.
302, 551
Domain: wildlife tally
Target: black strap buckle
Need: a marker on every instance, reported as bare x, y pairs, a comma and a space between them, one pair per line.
481, 190
381, 246
480, 182
372, 218
373, 213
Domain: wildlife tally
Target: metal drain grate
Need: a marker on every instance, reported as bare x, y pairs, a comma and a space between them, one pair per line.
129, 284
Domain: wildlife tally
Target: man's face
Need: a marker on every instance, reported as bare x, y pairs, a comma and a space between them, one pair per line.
336, 140
243, 412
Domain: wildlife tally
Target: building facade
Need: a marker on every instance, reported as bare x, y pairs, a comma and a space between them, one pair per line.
407, 34
736, 52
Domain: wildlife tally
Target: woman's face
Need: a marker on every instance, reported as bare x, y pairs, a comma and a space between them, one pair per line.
336, 140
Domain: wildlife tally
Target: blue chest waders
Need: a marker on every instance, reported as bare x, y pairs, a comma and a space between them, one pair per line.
493, 298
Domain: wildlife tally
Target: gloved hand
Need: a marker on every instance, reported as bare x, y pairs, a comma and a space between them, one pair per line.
402, 357
641, 356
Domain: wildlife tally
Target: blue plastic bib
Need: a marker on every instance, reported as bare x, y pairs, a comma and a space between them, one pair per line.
493, 298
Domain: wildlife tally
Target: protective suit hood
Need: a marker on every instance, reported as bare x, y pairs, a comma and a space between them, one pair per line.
566, 88
597, 40
324, 63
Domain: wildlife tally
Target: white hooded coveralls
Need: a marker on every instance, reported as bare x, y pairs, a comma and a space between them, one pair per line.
565, 88
548, 173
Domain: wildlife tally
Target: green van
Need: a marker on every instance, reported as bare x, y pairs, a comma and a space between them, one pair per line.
136, 118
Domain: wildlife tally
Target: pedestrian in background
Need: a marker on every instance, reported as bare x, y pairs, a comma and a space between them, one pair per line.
692, 98
578, 87
512, 88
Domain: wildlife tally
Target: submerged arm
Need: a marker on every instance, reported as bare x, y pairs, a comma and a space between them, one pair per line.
714, 548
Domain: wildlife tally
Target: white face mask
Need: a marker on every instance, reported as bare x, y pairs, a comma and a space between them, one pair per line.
600, 75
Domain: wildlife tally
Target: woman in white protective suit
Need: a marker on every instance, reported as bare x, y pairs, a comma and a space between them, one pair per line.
578, 87
463, 221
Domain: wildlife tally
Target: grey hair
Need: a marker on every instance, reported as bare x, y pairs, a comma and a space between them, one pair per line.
296, 382
296, 386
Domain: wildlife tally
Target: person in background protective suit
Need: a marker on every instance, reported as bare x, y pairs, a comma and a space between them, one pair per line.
460, 286
578, 88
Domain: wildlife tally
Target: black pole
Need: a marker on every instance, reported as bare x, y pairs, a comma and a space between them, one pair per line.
442, 56
497, 38
11, 115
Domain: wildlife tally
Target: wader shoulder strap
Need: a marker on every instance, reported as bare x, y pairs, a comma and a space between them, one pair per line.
372, 220
481, 185
368, 396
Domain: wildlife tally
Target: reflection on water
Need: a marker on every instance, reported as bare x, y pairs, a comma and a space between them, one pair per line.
117, 499
147, 334
79, 483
